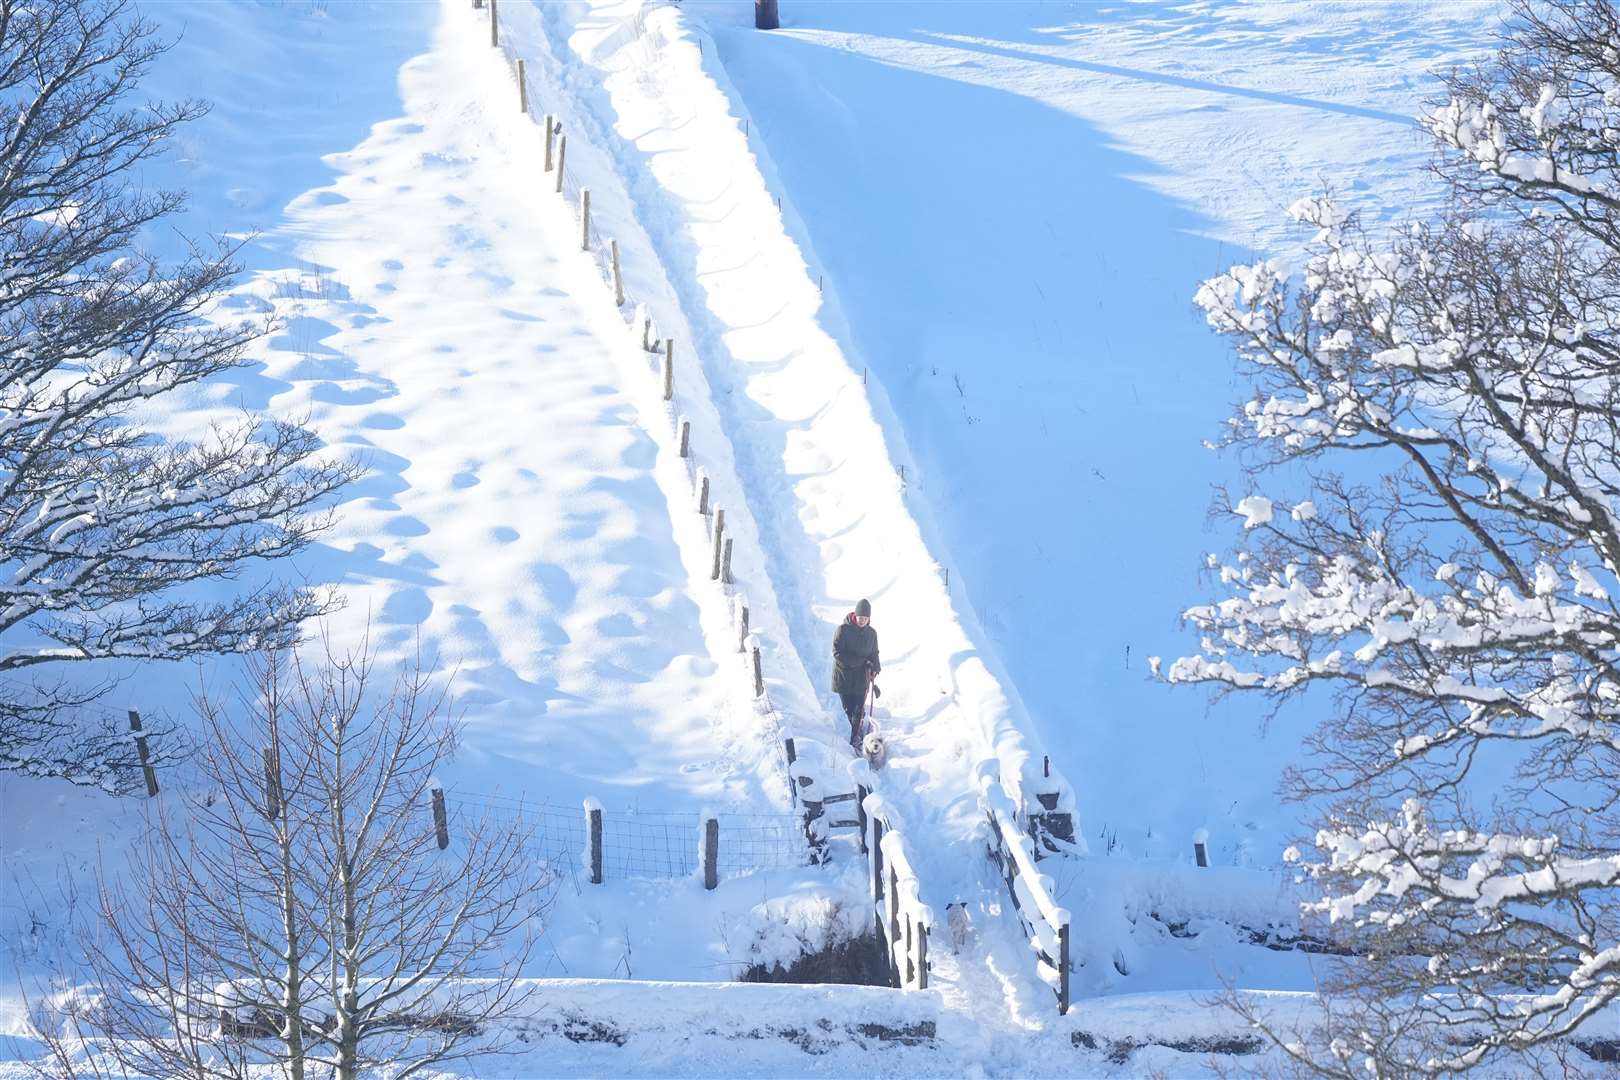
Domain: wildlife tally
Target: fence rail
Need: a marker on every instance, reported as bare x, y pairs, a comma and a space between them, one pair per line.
903, 920
1044, 923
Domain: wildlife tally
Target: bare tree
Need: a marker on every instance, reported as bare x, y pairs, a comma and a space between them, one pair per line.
1430, 557
297, 913
102, 523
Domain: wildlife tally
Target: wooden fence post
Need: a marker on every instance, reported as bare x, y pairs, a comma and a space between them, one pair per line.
669, 368
877, 869
618, 278
593, 839
551, 132
703, 492
145, 755
584, 219
441, 820
860, 813
1063, 969
719, 541
494, 26
894, 919
562, 156
725, 564
909, 951
1201, 847
711, 851
742, 626
766, 16
523, 89
759, 672
922, 956
272, 786
686, 437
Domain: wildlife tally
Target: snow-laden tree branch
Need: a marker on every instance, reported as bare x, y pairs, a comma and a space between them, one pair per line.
103, 525
1430, 540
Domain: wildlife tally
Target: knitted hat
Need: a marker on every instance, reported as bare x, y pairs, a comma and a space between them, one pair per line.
864, 608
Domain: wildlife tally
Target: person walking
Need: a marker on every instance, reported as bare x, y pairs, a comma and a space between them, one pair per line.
855, 665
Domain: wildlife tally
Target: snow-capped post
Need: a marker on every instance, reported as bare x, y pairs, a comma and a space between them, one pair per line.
922, 952
1063, 967
742, 624
703, 490
272, 786
725, 564
766, 17
593, 839
618, 278
709, 849
141, 750
584, 219
759, 672
893, 924
877, 867
441, 820
861, 792
669, 369
523, 89
646, 335
551, 133
719, 541
494, 26
1201, 847
562, 156
686, 435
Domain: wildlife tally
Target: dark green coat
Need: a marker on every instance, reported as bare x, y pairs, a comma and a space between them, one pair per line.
855, 648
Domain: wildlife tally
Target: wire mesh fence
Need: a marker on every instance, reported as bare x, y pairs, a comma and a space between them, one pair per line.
653, 845
552, 834
771, 841
649, 845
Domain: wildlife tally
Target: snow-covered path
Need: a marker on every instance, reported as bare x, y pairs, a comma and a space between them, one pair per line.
953, 164
812, 461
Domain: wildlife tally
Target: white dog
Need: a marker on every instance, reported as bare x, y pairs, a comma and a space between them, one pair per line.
956, 917
874, 750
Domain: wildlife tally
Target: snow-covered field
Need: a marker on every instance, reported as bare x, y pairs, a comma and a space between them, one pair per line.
929, 269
